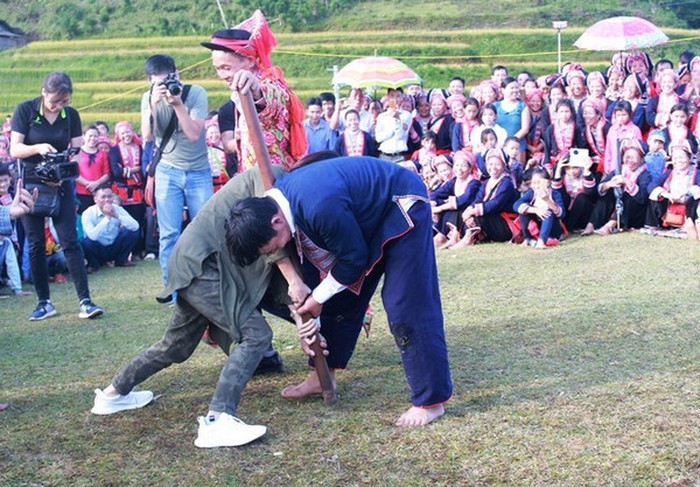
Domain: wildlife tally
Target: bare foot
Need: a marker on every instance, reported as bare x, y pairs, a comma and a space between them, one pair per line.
416, 416
606, 229
588, 230
309, 387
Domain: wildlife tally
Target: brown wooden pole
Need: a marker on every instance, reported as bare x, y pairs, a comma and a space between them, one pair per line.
262, 156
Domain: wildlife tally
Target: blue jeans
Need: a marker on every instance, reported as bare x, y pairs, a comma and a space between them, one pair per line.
176, 188
9, 257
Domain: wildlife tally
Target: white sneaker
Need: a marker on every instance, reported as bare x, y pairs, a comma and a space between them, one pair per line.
226, 430
110, 405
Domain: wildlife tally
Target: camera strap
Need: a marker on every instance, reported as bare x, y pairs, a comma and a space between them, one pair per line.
167, 135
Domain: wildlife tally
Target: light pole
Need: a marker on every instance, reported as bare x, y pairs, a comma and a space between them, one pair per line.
559, 25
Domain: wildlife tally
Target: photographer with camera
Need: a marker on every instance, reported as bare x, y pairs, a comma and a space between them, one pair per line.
41, 127
173, 115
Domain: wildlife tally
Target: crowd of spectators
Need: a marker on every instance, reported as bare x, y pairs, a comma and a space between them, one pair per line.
508, 159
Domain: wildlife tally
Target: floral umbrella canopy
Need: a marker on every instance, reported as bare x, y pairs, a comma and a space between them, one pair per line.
621, 34
376, 72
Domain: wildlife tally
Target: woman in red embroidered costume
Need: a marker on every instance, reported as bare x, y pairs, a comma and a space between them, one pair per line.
127, 176
658, 109
674, 200
595, 132
690, 92
677, 131
561, 136
538, 123
465, 112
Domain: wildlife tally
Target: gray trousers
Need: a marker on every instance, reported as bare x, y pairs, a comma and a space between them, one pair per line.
197, 307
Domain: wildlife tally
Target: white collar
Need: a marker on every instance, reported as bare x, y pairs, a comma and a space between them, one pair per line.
282, 202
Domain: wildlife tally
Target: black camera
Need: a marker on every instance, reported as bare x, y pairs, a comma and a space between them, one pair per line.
57, 166
172, 84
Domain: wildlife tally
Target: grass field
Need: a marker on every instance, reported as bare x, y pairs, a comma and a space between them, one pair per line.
108, 72
574, 366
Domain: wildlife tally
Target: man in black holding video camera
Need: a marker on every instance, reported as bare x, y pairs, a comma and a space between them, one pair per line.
40, 127
172, 115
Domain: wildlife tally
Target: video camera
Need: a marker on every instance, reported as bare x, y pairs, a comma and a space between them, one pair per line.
57, 166
172, 84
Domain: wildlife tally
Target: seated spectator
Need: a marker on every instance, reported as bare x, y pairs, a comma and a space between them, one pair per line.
427, 153
595, 132
127, 175
576, 183
674, 197
513, 165
452, 198
9, 245
110, 232
318, 132
353, 141
562, 135
466, 120
539, 121
676, 131
55, 258
487, 117
540, 208
623, 196
94, 168
486, 218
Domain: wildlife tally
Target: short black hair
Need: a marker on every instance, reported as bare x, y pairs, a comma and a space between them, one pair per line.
498, 67
248, 228
159, 64
58, 82
685, 57
458, 78
327, 96
5, 169
102, 122
314, 100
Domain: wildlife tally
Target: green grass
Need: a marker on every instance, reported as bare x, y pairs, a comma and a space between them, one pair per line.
574, 366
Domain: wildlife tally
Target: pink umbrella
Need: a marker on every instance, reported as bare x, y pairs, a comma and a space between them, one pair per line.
621, 34
376, 72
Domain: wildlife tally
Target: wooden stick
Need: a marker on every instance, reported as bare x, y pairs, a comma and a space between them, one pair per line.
257, 138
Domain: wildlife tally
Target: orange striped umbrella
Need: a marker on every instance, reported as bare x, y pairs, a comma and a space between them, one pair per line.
376, 72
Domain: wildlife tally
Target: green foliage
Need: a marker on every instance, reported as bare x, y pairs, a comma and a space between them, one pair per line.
64, 19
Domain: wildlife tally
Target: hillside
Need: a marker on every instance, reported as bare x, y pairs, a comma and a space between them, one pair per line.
76, 19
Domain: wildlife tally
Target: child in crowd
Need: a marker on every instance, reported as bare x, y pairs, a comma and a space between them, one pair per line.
676, 131
544, 208
8, 243
515, 167
489, 142
576, 183
425, 156
55, 258
656, 158
562, 135
487, 117
465, 125
622, 129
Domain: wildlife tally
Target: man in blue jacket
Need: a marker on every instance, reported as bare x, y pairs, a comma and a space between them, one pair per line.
357, 219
